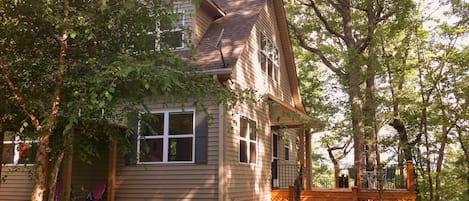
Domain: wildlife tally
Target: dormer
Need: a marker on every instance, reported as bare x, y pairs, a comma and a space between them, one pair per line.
205, 14
195, 17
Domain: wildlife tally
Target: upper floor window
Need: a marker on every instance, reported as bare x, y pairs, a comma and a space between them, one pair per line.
169, 31
247, 141
18, 150
166, 136
269, 57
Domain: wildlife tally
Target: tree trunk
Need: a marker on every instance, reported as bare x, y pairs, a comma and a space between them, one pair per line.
358, 127
439, 162
42, 157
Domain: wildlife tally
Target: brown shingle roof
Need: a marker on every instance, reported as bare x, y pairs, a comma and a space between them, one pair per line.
241, 15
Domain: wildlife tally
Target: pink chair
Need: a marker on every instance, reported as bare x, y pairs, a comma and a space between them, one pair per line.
98, 191
94, 195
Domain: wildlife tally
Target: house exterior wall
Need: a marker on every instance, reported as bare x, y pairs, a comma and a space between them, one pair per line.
176, 181
253, 181
202, 22
16, 183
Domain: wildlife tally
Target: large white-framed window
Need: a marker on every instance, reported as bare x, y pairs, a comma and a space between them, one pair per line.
269, 57
18, 150
287, 149
166, 137
247, 141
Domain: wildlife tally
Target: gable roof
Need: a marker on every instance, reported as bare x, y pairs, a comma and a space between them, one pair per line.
237, 24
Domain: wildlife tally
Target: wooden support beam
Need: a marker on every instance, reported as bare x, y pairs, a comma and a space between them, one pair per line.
308, 160
111, 177
410, 176
301, 155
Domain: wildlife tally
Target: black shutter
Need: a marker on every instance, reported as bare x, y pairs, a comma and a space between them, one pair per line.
132, 123
201, 137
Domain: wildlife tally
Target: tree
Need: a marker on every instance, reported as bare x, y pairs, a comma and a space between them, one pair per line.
68, 64
340, 34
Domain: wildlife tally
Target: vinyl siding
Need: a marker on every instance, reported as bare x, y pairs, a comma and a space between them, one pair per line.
16, 183
253, 181
176, 181
202, 22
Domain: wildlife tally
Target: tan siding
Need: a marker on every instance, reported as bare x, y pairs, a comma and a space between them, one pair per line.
253, 182
202, 22
172, 181
17, 184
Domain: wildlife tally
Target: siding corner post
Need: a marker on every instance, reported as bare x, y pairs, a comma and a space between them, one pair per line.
410, 176
302, 152
355, 193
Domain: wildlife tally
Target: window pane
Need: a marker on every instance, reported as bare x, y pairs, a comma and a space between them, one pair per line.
270, 66
8, 153
180, 149
243, 151
263, 41
252, 131
253, 153
152, 124
181, 123
287, 153
243, 128
172, 38
263, 62
151, 150
150, 42
275, 145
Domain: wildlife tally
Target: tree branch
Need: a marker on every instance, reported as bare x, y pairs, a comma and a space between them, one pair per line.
324, 20
19, 98
302, 43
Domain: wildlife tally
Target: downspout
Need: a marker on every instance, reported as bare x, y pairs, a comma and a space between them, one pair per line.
221, 154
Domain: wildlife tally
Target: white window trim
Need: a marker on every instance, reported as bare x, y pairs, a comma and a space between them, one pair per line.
159, 31
248, 141
166, 137
16, 156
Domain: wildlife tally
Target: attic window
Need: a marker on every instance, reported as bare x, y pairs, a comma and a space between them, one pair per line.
269, 57
169, 31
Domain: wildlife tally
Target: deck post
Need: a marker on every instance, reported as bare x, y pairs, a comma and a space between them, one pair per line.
410, 176
355, 193
291, 193
111, 177
302, 153
308, 160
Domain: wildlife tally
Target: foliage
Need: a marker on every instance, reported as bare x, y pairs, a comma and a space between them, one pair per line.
88, 64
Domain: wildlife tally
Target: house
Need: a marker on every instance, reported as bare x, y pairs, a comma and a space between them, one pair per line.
182, 154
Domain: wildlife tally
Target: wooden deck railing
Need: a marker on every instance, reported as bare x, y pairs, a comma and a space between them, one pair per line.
352, 194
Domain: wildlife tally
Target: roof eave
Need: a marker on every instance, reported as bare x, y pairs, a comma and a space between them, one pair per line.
288, 52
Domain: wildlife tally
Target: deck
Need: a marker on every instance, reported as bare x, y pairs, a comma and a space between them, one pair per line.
366, 193
348, 194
